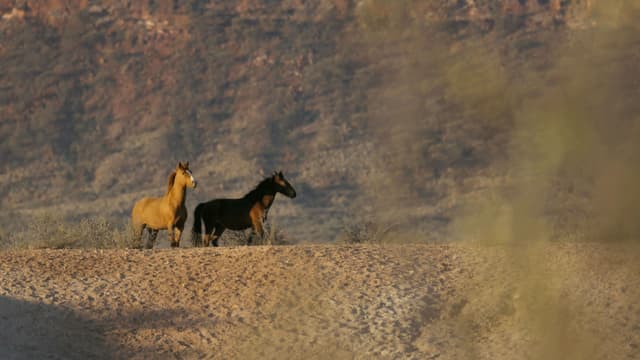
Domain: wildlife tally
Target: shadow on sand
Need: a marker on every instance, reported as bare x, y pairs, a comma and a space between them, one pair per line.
42, 331
35, 330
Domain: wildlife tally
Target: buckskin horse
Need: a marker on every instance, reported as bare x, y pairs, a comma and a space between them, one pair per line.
164, 213
238, 214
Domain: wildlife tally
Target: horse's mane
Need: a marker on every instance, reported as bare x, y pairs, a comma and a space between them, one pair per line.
254, 194
170, 181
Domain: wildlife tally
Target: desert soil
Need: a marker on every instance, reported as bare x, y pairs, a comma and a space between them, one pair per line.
322, 302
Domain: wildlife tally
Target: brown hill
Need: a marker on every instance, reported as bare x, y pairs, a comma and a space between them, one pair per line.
401, 113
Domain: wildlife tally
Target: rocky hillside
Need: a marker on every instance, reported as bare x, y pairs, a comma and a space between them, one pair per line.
387, 112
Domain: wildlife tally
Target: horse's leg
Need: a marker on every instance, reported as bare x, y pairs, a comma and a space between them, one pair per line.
216, 235
171, 229
152, 237
206, 237
258, 229
137, 231
177, 233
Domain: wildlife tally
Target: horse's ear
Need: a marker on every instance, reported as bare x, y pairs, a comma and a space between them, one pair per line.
180, 166
281, 174
186, 165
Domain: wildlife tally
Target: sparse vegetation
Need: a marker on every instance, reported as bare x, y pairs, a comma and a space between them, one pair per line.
407, 104
273, 236
50, 231
266, 83
505, 124
366, 232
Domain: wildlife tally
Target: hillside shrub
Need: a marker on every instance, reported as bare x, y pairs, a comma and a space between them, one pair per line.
50, 231
365, 232
273, 236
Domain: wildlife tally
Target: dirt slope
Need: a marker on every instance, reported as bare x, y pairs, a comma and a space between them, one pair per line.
100, 99
338, 302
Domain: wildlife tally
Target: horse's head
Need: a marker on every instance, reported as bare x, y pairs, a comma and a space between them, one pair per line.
184, 175
282, 185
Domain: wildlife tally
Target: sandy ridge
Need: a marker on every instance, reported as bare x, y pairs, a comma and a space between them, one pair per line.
324, 301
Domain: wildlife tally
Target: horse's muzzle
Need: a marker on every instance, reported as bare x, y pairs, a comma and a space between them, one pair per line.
195, 183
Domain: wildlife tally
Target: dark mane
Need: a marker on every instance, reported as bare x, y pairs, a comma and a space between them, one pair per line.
170, 181
260, 189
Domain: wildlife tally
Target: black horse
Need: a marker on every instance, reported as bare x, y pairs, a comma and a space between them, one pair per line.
238, 214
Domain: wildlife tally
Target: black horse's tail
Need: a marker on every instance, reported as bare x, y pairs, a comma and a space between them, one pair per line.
196, 231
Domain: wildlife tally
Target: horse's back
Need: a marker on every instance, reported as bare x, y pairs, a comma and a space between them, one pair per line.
231, 213
210, 209
141, 205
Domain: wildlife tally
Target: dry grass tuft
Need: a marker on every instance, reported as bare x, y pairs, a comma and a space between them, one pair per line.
274, 235
366, 232
51, 231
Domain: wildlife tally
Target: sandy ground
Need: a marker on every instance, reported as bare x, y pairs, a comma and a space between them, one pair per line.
322, 302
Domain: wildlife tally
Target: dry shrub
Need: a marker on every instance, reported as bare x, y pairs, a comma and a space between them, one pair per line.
273, 236
366, 232
54, 232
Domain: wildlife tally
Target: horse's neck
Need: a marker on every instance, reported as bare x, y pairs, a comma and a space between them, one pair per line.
264, 197
267, 200
176, 195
